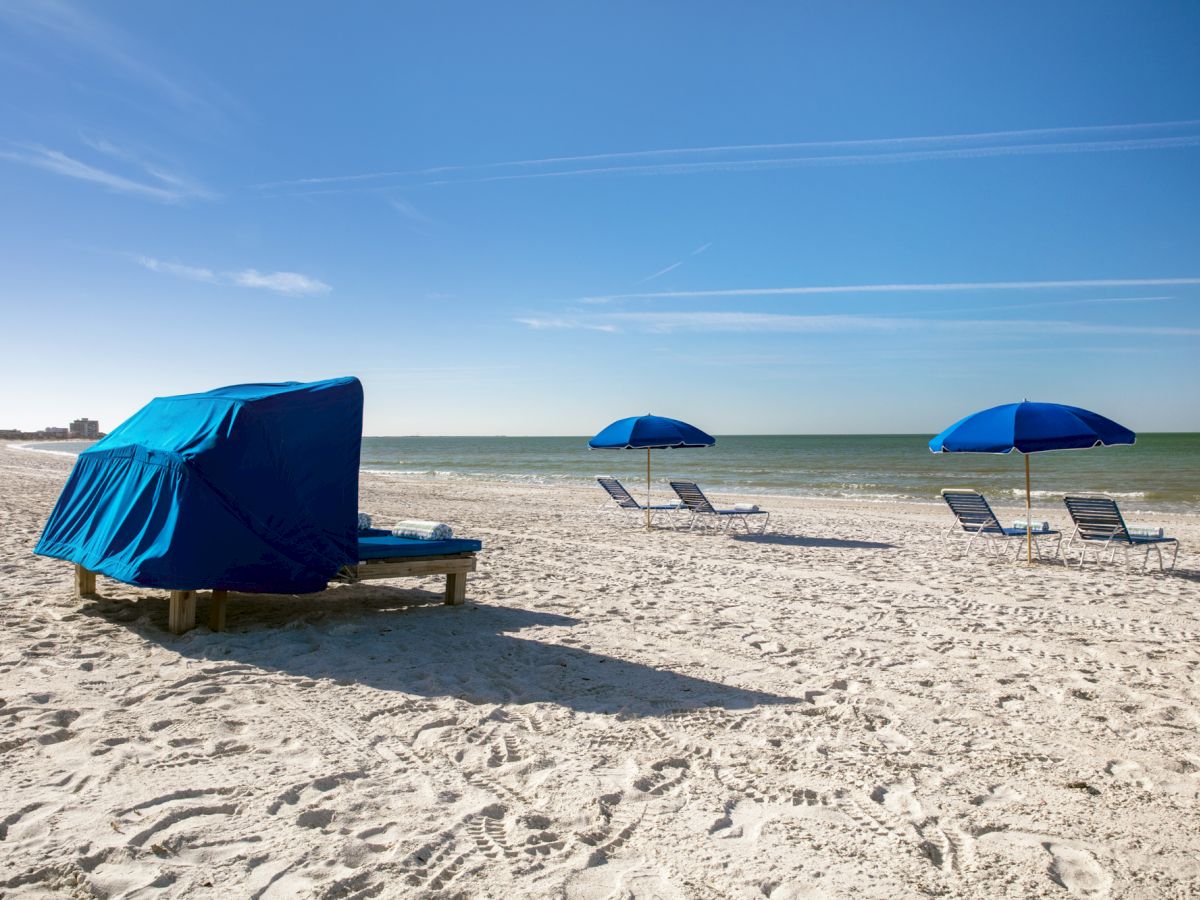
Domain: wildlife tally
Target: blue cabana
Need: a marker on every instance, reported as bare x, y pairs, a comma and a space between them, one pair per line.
250, 488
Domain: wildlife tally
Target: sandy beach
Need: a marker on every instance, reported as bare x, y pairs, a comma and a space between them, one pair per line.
835, 710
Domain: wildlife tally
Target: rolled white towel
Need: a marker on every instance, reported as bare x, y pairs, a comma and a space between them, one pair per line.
745, 507
1035, 526
421, 530
1144, 531
364, 521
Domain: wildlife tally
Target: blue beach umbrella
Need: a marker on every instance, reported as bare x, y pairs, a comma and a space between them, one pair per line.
650, 433
1030, 428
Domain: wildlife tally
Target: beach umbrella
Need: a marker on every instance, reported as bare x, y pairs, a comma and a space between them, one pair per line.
650, 433
1030, 428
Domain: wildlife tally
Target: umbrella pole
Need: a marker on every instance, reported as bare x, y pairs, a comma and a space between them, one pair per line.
1028, 520
647, 487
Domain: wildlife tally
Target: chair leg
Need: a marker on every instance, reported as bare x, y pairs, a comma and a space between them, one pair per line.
216, 610
85, 582
181, 614
456, 588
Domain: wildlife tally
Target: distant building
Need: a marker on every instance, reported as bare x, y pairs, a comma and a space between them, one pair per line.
85, 429
56, 431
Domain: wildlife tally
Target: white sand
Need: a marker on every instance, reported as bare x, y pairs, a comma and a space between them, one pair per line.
839, 712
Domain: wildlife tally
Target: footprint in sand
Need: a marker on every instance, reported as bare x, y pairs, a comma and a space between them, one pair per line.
1130, 772
897, 798
1000, 795
1077, 871
893, 739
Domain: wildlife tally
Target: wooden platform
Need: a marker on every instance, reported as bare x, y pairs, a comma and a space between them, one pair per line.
181, 613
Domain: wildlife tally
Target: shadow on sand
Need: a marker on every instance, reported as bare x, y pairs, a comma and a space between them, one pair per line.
400, 640
788, 540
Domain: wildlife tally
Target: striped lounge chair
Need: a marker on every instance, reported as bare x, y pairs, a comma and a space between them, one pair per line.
976, 524
1099, 524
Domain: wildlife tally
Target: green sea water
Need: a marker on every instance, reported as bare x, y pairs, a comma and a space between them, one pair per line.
1161, 471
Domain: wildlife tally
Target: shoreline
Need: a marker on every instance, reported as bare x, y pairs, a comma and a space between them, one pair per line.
1000, 501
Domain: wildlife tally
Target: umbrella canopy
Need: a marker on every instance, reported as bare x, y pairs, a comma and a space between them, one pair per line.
1030, 428
650, 433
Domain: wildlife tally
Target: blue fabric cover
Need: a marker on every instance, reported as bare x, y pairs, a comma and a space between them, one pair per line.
379, 544
1030, 428
252, 487
650, 432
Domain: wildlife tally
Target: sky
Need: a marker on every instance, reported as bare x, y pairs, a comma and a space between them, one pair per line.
536, 218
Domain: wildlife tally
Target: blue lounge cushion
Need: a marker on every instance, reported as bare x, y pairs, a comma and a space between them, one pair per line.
375, 543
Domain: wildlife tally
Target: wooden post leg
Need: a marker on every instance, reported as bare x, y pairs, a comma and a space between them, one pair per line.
85, 582
456, 588
181, 615
216, 610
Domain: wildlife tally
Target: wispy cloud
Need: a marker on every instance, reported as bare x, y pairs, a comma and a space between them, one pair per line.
675, 265
750, 157
671, 268
292, 283
729, 322
77, 28
1088, 301
899, 288
860, 159
560, 324
154, 183
280, 282
407, 210
192, 273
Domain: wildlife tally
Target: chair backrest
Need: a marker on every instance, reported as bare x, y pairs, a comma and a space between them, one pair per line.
617, 491
972, 511
691, 495
1097, 518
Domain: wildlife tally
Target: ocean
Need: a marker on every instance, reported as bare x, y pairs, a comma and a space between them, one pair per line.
1161, 471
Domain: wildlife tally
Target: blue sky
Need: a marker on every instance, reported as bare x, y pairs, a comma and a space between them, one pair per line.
536, 218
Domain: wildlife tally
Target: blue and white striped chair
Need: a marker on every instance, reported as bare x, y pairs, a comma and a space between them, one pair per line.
702, 510
975, 522
1098, 522
626, 501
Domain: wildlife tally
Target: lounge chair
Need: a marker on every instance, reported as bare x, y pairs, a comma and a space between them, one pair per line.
1099, 523
974, 521
702, 510
380, 554
626, 500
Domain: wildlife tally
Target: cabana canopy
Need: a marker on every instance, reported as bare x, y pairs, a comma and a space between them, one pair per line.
252, 488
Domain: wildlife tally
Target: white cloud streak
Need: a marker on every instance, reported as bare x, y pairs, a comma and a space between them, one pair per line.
290, 283
732, 322
560, 324
280, 282
162, 186
869, 151
745, 165
675, 265
902, 288
192, 273
77, 28
671, 268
